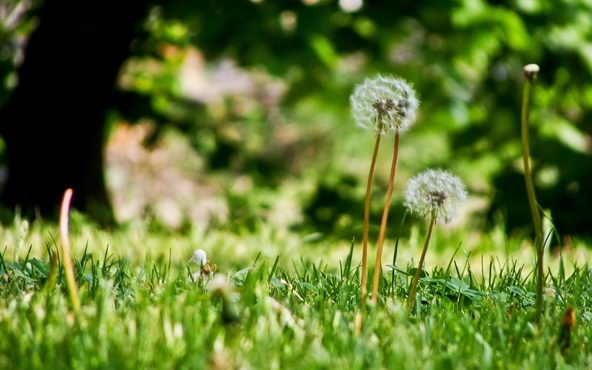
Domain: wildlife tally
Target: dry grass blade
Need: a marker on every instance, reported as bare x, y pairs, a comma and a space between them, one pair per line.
67, 253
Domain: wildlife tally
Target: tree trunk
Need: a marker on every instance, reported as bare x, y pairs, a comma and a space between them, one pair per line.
53, 124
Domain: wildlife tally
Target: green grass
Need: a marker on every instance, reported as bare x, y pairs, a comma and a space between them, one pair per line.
284, 306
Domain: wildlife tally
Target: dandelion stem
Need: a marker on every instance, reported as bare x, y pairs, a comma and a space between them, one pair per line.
415, 281
364, 277
383, 222
67, 253
530, 73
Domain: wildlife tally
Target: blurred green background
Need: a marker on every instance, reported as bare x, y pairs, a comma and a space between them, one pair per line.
232, 113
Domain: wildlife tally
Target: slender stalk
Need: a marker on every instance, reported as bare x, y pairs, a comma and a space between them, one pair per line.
383, 222
67, 253
530, 72
364, 272
415, 281
364, 277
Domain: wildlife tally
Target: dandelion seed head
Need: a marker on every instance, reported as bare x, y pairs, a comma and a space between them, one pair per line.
220, 284
531, 68
384, 104
436, 191
199, 257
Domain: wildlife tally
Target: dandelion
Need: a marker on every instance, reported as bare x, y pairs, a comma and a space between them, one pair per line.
384, 104
434, 194
435, 191
200, 258
530, 72
220, 287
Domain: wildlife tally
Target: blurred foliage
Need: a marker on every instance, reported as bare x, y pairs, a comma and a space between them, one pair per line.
14, 28
464, 57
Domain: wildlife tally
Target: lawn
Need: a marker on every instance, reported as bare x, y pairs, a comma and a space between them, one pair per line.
285, 300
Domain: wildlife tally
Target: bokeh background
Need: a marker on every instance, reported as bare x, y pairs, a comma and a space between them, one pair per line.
233, 113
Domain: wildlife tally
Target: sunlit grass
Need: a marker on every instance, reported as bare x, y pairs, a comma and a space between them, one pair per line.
235, 248
295, 297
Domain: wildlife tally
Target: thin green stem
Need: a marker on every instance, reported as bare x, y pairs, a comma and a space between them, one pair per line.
415, 281
534, 210
364, 277
384, 220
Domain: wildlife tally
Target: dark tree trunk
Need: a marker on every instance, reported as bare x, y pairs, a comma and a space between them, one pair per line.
53, 124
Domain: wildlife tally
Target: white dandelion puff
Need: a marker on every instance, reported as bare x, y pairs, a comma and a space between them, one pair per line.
206, 269
199, 257
435, 191
384, 104
220, 283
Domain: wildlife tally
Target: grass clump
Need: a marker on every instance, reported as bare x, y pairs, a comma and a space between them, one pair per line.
284, 312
